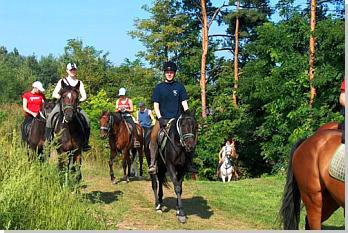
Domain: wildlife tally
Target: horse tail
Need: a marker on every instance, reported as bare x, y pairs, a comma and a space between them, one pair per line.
291, 201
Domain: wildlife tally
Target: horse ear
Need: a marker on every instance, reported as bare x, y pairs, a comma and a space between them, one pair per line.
63, 84
77, 87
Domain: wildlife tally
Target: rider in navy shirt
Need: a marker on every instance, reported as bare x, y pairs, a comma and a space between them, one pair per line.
170, 95
169, 101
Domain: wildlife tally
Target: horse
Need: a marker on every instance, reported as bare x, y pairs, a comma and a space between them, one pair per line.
308, 180
71, 134
35, 131
113, 125
181, 138
226, 169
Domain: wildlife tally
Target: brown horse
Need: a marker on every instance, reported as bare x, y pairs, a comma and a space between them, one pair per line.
120, 140
34, 132
308, 179
68, 127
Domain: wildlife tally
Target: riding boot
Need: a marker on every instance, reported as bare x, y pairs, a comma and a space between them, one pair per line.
48, 134
218, 169
152, 167
86, 146
189, 164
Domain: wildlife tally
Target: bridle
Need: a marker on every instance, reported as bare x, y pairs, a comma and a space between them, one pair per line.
110, 122
184, 136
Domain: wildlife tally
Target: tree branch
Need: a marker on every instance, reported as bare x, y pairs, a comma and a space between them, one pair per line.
215, 13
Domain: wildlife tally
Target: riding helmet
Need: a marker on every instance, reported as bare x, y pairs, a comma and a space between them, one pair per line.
169, 66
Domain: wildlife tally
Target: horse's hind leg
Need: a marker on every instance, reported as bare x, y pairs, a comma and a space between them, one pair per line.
329, 206
313, 204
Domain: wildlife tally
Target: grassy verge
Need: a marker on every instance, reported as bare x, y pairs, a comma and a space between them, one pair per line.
256, 201
30, 194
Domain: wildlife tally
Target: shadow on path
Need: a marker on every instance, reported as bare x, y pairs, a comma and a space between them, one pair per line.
103, 197
196, 205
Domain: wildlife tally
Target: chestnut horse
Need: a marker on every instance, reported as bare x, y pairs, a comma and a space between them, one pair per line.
308, 179
120, 140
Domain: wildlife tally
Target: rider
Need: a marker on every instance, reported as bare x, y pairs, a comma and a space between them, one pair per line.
228, 148
124, 105
70, 80
144, 117
32, 102
170, 100
342, 100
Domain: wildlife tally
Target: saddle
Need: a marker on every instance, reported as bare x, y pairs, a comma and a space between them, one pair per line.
337, 164
130, 131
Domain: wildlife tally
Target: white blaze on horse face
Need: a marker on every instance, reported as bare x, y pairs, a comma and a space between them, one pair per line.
69, 95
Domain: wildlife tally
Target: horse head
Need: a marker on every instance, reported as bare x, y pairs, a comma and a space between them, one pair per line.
187, 129
69, 101
105, 124
47, 108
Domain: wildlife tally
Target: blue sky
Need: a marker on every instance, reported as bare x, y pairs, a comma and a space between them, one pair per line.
43, 27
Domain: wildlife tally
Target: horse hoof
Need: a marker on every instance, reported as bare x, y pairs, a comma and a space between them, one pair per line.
113, 181
182, 219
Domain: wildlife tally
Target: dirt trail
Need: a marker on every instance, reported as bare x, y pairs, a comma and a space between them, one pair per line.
131, 206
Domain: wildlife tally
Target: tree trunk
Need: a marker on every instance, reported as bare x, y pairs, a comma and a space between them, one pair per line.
312, 52
236, 43
203, 80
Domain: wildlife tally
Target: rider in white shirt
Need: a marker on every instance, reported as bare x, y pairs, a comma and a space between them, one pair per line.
70, 80
227, 149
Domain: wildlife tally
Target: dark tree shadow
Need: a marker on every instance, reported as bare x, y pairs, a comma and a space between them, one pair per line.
103, 197
192, 206
329, 227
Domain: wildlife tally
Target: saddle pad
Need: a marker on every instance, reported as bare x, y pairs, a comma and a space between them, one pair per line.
337, 166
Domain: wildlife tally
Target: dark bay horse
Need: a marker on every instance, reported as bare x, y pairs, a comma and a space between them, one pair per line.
35, 131
69, 131
308, 179
181, 139
114, 126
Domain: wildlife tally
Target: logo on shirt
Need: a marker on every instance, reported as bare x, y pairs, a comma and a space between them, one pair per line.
175, 92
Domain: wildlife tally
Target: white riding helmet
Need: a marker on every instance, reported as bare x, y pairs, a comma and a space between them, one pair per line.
122, 91
38, 85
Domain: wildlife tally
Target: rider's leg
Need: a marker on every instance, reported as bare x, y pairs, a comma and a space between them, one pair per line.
153, 147
27, 120
86, 146
48, 129
189, 163
218, 168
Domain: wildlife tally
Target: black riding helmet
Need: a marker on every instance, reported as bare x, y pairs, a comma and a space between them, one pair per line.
169, 66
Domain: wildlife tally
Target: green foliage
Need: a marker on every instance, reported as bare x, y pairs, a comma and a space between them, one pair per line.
95, 105
30, 194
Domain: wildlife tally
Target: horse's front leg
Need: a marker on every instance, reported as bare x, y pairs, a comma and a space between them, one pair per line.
141, 157
126, 164
177, 181
111, 163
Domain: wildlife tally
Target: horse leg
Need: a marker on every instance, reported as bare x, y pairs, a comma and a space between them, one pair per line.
111, 163
177, 181
329, 206
154, 189
141, 157
313, 204
229, 177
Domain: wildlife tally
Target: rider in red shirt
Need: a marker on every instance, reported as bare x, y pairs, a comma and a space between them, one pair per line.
32, 102
343, 106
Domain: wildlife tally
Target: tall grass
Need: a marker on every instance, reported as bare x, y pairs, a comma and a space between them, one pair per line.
30, 194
